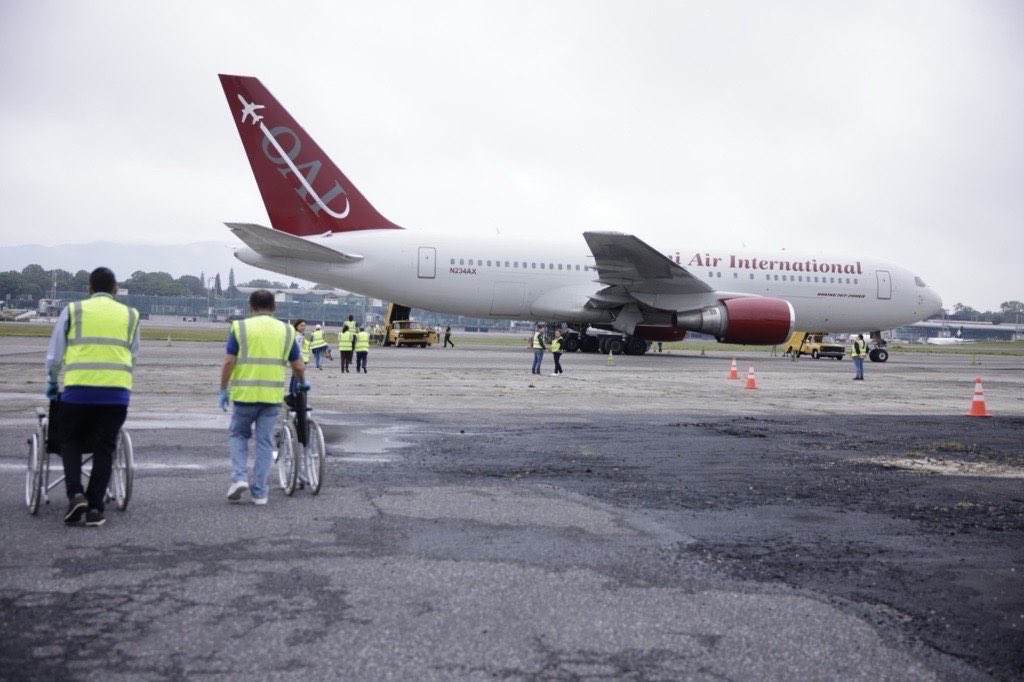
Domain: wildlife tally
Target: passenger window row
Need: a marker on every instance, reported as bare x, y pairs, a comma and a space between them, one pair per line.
794, 278
523, 265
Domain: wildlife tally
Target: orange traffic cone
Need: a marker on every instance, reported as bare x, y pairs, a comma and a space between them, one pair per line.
732, 372
978, 404
751, 381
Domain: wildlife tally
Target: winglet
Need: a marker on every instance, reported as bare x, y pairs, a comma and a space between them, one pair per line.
304, 192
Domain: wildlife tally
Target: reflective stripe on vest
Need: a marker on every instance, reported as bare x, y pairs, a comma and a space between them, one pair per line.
264, 345
345, 341
318, 339
99, 341
362, 342
536, 341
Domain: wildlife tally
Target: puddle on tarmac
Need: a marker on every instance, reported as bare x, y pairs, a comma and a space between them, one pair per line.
363, 439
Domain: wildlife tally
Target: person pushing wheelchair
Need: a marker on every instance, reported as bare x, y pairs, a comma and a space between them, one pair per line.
96, 343
259, 348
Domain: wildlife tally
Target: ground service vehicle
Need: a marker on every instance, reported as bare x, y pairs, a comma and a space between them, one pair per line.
399, 330
816, 344
42, 443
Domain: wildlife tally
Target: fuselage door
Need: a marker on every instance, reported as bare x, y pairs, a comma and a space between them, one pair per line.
427, 268
884, 284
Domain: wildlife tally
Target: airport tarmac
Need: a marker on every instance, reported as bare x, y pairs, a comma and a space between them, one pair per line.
646, 520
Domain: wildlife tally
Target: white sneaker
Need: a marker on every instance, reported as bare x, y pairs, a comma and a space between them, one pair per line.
236, 490
260, 500
553, 374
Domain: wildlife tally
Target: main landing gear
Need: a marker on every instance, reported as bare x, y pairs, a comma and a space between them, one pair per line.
604, 343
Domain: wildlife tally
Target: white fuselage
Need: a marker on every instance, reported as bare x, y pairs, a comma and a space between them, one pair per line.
502, 278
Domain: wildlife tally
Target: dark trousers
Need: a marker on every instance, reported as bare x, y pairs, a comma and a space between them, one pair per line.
361, 360
346, 360
84, 429
448, 341
558, 363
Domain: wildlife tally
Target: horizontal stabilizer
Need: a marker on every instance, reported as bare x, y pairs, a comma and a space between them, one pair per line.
276, 244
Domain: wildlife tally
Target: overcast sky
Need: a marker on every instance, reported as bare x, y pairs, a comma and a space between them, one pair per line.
888, 129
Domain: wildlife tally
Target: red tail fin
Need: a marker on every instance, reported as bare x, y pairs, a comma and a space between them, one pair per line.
303, 190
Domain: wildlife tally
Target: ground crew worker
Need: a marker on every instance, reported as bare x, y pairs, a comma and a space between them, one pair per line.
346, 342
537, 343
448, 337
362, 349
304, 349
258, 350
860, 349
318, 345
556, 352
96, 341
350, 324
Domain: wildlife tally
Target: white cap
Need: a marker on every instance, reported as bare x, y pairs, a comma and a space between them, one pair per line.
318, 326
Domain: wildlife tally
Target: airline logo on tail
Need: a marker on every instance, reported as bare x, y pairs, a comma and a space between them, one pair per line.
285, 161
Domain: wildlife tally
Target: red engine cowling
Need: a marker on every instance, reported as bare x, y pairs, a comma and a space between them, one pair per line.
748, 319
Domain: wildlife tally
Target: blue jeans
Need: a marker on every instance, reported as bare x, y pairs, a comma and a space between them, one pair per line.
538, 356
318, 354
242, 419
858, 364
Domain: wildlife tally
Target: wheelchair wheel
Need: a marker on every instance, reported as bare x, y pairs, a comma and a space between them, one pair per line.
123, 470
34, 474
285, 446
315, 455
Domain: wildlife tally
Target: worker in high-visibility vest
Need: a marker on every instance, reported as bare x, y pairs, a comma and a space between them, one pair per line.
556, 352
346, 342
362, 349
96, 342
259, 351
304, 349
318, 345
860, 350
538, 346
350, 324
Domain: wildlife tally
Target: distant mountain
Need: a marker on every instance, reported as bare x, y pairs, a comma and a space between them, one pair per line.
124, 259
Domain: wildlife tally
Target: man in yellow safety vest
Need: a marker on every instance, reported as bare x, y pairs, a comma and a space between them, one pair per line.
318, 346
362, 349
350, 325
96, 341
346, 342
537, 343
860, 350
259, 350
556, 352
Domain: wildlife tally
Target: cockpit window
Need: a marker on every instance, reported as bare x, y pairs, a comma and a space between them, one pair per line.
919, 282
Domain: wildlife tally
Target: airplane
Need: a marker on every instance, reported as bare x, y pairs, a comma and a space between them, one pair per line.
249, 109
613, 289
955, 340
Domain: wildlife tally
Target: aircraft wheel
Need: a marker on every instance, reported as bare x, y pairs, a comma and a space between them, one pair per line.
635, 346
879, 355
589, 344
570, 343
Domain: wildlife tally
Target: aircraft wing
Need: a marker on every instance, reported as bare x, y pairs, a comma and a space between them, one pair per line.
623, 260
269, 242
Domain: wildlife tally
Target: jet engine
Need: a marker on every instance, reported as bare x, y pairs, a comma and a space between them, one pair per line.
748, 319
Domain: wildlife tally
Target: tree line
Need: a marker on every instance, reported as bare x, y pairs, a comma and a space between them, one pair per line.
34, 282
1009, 312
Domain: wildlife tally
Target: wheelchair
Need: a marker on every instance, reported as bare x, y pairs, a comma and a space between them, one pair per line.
299, 451
43, 443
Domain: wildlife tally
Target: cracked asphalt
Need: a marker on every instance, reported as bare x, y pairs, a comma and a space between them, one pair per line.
528, 538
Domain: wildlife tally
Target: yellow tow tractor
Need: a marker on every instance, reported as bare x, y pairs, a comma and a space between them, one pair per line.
399, 330
815, 344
